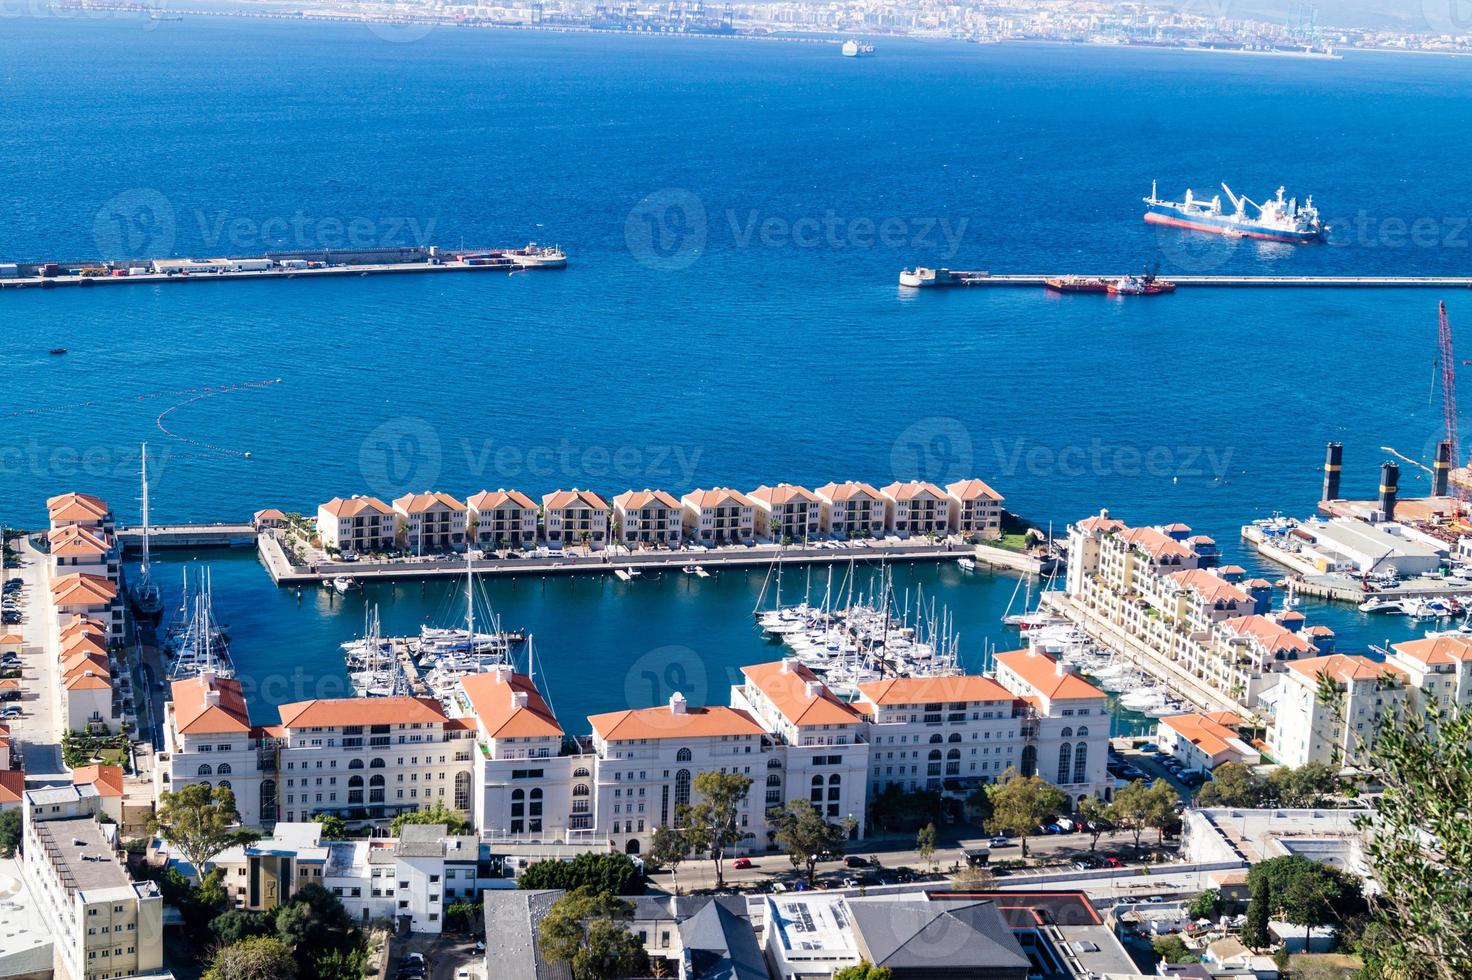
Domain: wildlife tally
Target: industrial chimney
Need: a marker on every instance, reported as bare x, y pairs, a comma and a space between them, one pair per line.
1442, 471
1389, 480
1333, 459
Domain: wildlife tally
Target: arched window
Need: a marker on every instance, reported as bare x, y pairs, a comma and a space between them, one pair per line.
682, 788
936, 738
223, 784
223, 769
1083, 731
580, 772
355, 789
580, 789
355, 781
1029, 760
955, 737
268, 801
375, 780
517, 794
462, 791
834, 779
376, 764
1065, 755
1066, 733
1081, 762
935, 755
683, 755
835, 791
375, 789
953, 762
356, 764
817, 780
774, 763
205, 770
815, 795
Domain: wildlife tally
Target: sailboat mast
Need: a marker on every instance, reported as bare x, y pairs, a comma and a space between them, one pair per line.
144, 476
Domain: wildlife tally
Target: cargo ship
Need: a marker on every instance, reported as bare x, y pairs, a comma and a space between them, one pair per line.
1076, 284
1278, 220
856, 49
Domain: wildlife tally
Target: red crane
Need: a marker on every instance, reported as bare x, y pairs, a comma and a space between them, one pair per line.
1449, 395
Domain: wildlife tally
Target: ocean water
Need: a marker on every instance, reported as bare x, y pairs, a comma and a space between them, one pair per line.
736, 214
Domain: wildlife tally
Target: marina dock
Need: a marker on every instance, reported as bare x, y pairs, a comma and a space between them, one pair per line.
952, 277
188, 536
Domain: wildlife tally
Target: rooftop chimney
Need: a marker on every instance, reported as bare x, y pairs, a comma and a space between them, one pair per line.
1389, 480
1333, 460
502, 673
518, 699
813, 689
211, 696
677, 703
1442, 470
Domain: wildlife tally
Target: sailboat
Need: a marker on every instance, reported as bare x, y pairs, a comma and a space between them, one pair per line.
379, 673
144, 593
199, 643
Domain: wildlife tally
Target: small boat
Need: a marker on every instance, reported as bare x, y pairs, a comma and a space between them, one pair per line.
701, 572
57, 351
1391, 606
626, 574
689, 569
967, 564
343, 585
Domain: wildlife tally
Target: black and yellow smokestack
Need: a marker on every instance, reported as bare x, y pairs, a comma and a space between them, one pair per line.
1441, 472
1389, 480
1333, 460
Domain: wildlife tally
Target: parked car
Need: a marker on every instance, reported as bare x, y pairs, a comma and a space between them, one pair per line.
11, 711
854, 861
741, 864
1113, 862
1000, 840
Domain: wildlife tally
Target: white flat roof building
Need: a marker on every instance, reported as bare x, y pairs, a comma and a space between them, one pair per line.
1356, 545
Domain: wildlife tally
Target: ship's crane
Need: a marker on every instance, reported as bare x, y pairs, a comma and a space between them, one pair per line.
1237, 202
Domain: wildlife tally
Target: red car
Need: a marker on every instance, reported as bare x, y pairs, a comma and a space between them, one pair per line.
1113, 862
741, 863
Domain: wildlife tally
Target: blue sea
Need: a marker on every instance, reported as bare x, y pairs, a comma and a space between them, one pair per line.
736, 214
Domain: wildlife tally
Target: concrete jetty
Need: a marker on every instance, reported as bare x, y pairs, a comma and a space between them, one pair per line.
954, 277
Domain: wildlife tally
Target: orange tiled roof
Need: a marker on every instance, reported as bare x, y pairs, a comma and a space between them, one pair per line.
336, 712
638, 499
72, 507
269, 514
107, 779
1272, 635
353, 506
83, 588
420, 503
193, 715
491, 499
12, 785
1210, 736
972, 490
492, 696
1040, 671
716, 497
785, 684
782, 494
1344, 668
77, 542
1101, 522
558, 499
847, 491
87, 681
1435, 650
912, 490
1156, 543
925, 690
665, 722
1211, 588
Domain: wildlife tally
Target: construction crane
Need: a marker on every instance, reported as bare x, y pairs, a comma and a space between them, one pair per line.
1449, 399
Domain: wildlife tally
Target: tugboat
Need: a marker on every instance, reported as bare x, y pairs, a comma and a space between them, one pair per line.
1141, 285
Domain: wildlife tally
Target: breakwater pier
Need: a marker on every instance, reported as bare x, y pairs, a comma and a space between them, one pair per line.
923, 278
280, 265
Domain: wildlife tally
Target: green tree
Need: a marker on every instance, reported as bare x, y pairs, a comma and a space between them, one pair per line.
200, 822
340, 964
234, 925
257, 958
1206, 905
1132, 809
1310, 785
1233, 784
333, 827
1308, 901
1173, 949
434, 813
314, 922
1095, 812
1160, 814
600, 872
864, 970
586, 931
713, 822
10, 831
1020, 803
1259, 910
668, 848
925, 845
803, 833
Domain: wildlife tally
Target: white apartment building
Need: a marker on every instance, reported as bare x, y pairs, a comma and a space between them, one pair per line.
526, 786
81, 510
1065, 736
361, 759
430, 522
823, 754
947, 734
648, 517
787, 513
1342, 733
916, 508
94, 597
502, 519
719, 516
76, 549
976, 509
573, 517
647, 760
851, 510
104, 924
1438, 671
356, 524
208, 738
410, 879
1204, 741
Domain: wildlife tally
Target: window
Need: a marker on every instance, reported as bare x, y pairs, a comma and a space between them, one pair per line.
682, 788
1080, 762
683, 755
205, 770
1065, 754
